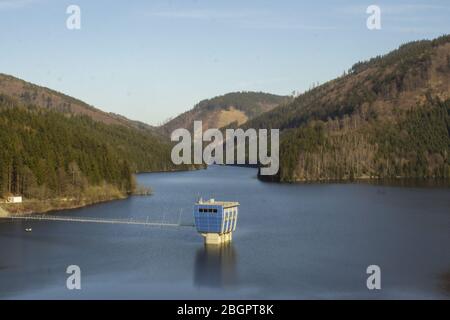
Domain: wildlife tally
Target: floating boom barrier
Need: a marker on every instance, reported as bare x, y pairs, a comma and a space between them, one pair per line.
95, 220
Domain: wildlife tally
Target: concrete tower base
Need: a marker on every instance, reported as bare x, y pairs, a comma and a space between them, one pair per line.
216, 238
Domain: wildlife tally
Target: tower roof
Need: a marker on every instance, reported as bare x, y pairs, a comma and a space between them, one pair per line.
212, 202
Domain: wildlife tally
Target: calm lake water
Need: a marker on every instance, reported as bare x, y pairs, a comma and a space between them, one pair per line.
292, 241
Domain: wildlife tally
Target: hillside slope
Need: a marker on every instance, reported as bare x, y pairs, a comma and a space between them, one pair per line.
388, 117
41, 148
62, 160
30, 94
232, 109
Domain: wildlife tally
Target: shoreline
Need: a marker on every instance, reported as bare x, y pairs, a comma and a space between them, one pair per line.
48, 206
395, 182
174, 170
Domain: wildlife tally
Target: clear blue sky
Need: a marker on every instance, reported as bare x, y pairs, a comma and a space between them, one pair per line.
150, 60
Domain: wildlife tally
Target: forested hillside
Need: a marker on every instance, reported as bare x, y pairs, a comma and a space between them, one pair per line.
232, 109
387, 117
47, 154
30, 94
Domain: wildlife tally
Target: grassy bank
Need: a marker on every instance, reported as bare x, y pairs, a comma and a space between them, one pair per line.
92, 195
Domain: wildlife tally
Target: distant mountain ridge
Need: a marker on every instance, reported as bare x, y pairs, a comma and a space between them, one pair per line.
62, 151
386, 118
232, 109
30, 94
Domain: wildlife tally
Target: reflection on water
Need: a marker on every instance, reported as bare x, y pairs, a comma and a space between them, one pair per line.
293, 241
215, 266
409, 182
